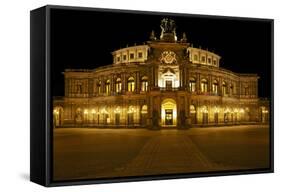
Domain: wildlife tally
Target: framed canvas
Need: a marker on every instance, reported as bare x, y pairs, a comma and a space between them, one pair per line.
119, 95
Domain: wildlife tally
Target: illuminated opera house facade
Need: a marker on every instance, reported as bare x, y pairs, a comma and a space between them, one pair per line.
165, 82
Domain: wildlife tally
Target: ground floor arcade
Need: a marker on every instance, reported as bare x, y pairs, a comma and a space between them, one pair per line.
156, 112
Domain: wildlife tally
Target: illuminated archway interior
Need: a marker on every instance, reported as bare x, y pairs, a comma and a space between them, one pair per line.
169, 112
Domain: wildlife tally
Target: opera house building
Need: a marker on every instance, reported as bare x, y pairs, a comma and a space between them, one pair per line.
163, 83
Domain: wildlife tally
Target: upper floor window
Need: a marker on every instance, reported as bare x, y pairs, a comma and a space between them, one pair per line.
118, 59
223, 88
203, 58
195, 57
204, 85
132, 55
192, 84
99, 87
118, 85
215, 62
131, 84
246, 88
144, 83
107, 87
78, 87
124, 57
215, 87
140, 55
209, 60
231, 89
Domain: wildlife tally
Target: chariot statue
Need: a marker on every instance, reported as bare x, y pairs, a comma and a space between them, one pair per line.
168, 26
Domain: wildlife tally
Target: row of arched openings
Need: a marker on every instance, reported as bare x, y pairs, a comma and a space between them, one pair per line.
131, 85
214, 87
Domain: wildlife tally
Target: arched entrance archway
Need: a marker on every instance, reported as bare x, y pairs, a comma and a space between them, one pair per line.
143, 115
169, 112
264, 114
58, 116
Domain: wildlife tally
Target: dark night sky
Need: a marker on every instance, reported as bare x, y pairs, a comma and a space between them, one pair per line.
85, 40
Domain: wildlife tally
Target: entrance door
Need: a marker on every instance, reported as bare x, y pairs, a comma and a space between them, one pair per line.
130, 119
169, 85
205, 118
216, 118
168, 117
117, 118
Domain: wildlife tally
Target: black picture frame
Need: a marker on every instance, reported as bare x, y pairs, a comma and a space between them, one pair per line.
41, 102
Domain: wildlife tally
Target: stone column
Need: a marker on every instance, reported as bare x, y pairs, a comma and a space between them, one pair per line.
156, 68
111, 83
180, 77
137, 82
198, 83
123, 82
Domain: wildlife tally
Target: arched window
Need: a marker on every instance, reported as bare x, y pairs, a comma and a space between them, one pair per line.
117, 112
107, 87
203, 59
144, 83
192, 111
205, 112
223, 88
144, 109
195, 57
78, 115
216, 114
204, 86
226, 115
215, 87
192, 84
118, 85
99, 87
215, 62
130, 118
79, 87
131, 84
230, 89
246, 90
57, 116
143, 115
105, 115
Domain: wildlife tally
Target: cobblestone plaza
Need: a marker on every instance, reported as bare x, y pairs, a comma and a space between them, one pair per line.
81, 153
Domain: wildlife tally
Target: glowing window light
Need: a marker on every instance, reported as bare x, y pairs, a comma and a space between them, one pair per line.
131, 84
103, 111
242, 110
215, 87
144, 109
192, 109
227, 110
144, 85
204, 85
118, 85
107, 87
192, 84
86, 111
117, 110
204, 109
93, 111
264, 110
131, 110
56, 111
216, 109
224, 88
